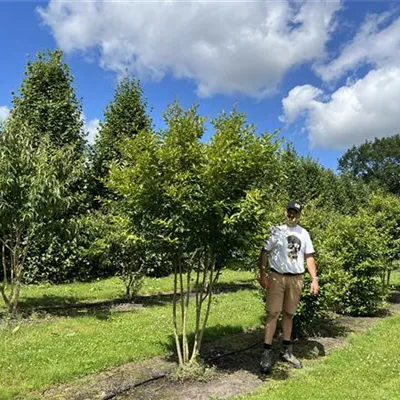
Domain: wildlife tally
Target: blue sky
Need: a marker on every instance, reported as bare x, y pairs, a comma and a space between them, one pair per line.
326, 73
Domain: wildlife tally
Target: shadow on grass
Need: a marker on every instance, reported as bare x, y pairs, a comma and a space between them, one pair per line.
394, 296
323, 327
48, 301
71, 306
222, 287
60, 306
232, 348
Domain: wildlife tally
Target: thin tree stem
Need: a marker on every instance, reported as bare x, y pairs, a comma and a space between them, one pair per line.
186, 313
174, 318
4, 284
183, 316
196, 347
210, 288
198, 309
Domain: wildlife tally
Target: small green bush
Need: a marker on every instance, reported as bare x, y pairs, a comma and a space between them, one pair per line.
351, 260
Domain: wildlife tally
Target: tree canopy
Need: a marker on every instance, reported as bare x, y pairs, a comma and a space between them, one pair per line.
125, 116
376, 162
48, 104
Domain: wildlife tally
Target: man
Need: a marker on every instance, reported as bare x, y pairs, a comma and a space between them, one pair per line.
284, 253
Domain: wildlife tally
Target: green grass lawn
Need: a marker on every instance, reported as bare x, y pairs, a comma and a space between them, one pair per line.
46, 295
53, 349
395, 279
367, 368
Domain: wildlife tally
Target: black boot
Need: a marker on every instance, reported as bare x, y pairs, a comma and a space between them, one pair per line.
266, 361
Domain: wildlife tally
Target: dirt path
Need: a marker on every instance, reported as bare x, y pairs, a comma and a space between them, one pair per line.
235, 374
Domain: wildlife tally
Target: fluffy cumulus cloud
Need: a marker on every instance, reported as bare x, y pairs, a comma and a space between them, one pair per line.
238, 47
299, 100
4, 113
377, 43
365, 109
92, 128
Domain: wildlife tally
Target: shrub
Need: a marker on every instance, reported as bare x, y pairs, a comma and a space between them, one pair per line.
351, 260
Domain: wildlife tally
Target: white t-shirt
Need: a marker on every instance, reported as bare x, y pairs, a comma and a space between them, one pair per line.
286, 247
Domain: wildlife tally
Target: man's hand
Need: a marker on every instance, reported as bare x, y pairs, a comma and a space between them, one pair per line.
312, 269
263, 281
314, 287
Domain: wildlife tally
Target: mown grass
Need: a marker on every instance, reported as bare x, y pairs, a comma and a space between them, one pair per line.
367, 368
56, 349
47, 295
51, 349
395, 279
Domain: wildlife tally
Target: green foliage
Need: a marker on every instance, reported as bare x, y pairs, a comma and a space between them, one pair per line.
351, 260
194, 194
311, 312
242, 178
61, 254
120, 250
376, 162
385, 213
199, 204
307, 181
344, 194
304, 176
354, 255
35, 184
125, 116
48, 104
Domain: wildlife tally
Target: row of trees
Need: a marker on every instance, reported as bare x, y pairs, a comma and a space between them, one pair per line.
151, 202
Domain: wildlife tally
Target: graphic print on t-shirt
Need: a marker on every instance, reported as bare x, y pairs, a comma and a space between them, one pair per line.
287, 247
293, 247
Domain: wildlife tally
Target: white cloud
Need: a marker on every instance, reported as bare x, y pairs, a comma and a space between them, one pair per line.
92, 128
299, 100
354, 113
238, 47
364, 108
377, 43
4, 113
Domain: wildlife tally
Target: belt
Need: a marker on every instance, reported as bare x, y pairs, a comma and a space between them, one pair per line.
285, 273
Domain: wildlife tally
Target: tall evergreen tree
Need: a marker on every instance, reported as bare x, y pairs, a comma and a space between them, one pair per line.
304, 176
125, 116
47, 102
48, 106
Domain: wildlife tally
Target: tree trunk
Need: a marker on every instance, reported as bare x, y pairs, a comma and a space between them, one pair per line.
206, 293
174, 316
18, 253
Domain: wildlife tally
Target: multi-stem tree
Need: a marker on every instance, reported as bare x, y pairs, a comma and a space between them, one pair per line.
201, 203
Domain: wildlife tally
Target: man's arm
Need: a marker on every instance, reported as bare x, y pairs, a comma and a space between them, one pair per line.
262, 266
312, 270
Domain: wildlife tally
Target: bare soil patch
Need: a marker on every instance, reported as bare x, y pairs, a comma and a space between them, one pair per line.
235, 358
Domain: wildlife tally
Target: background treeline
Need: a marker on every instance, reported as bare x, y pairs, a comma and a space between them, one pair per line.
145, 202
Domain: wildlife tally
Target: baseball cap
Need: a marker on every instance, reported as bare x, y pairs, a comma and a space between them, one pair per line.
294, 205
